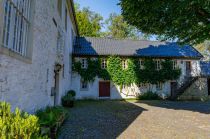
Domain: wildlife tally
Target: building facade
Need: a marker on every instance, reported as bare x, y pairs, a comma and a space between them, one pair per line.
36, 41
186, 58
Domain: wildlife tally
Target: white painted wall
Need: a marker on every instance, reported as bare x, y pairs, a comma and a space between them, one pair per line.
134, 90
27, 85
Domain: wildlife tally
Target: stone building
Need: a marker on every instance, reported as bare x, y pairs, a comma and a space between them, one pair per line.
190, 85
36, 41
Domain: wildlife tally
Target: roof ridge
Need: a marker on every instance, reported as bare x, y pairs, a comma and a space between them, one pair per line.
126, 39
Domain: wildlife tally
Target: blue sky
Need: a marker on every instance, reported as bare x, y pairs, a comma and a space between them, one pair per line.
103, 7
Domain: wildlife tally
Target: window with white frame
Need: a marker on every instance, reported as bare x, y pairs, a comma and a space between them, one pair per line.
142, 85
159, 86
16, 25
175, 65
84, 85
123, 86
158, 64
124, 64
104, 63
84, 63
141, 64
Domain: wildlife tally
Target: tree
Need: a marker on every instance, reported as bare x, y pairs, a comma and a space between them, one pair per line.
89, 22
187, 21
119, 28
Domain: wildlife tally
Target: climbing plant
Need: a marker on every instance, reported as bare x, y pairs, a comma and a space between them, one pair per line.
131, 74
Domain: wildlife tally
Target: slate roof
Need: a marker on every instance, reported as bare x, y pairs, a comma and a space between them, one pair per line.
90, 46
205, 68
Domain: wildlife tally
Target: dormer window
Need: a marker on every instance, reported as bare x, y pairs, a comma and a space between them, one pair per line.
103, 63
124, 64
158, 65
84, 63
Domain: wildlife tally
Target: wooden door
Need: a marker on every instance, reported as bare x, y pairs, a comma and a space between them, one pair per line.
173, 88
104, 89
188, 68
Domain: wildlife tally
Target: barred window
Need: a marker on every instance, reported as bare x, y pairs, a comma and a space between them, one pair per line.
175, 65
84, 63
16, 25
159, 86
124, 64
103, 64
158, 65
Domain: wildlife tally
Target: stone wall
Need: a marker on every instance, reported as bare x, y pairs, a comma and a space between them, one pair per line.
28, 85
197, 91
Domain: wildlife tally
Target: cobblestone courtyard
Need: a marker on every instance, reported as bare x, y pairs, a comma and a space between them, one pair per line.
138, 120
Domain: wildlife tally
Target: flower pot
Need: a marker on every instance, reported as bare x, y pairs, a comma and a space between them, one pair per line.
68, 103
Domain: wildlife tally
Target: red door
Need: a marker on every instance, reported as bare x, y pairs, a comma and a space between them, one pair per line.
104, 89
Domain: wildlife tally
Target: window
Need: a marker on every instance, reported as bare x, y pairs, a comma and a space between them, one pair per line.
66, 14
84, 85
175, 64
84, 63
16, 25
123, 86
103, 63
142, 85
159, 86
158, 65
141, 64
124, 64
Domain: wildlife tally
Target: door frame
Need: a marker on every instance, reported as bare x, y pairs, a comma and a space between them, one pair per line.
173, 89
104, 81
188, 69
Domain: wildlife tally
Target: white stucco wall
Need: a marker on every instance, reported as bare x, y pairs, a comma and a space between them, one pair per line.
134, 90
27, 85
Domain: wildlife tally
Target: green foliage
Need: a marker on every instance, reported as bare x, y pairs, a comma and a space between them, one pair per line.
187, 20
67, 100
50, 116
17, 125
132, 74
88, 21
149, 96
120, 29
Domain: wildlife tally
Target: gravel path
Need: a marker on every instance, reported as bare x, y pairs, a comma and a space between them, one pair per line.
134, 120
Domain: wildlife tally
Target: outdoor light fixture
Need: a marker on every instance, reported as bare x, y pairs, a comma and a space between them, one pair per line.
57, 68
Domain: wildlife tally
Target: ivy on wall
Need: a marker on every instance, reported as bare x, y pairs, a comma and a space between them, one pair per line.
131, 74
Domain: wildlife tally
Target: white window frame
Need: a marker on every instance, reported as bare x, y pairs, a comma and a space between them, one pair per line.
158, 64
83, 85
124, 64
141, 64
175, 64
142, 85
84, 64
104, 63
16, 26
159, 86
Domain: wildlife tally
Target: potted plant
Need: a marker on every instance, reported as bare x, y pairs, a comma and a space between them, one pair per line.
68, 99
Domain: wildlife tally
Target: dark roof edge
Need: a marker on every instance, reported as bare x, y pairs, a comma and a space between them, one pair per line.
170, 57
74, 16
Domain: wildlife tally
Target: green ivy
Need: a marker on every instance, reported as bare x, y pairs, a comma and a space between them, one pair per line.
132, 74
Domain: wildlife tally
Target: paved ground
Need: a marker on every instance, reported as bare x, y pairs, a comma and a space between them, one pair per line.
138, 120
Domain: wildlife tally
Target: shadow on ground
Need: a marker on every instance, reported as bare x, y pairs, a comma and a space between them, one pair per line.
99, 119
195, 106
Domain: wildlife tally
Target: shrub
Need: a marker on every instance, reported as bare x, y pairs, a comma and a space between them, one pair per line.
17, 125
72, 92
51, 116
149, 96
68, 99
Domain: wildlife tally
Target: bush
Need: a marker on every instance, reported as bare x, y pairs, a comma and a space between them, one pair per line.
149, 96
17, 125
72, 92
68, 99
51, 116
